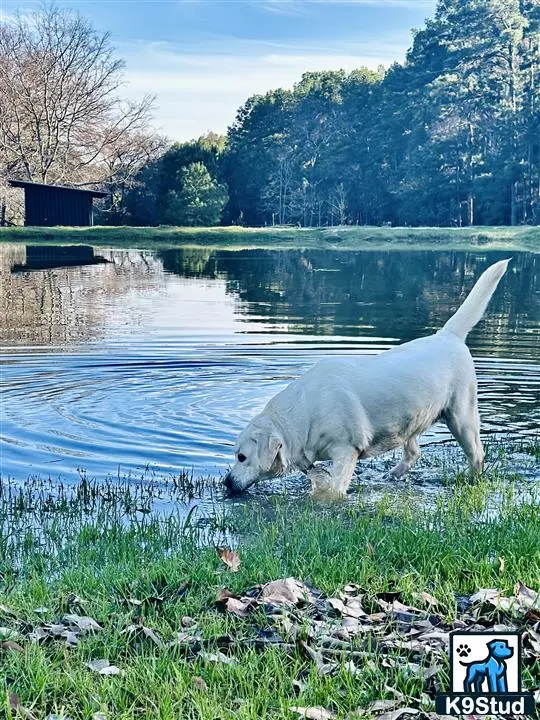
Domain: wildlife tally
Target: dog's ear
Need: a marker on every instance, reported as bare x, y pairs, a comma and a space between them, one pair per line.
269, 443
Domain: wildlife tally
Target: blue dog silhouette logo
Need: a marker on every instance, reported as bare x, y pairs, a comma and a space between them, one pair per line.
490, 674
485, 674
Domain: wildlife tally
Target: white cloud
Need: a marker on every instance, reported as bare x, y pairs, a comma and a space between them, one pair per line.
198, 92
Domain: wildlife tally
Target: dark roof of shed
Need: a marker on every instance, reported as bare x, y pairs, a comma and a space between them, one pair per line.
27, 184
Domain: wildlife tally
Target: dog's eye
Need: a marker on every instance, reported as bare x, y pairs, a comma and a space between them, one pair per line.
241, 457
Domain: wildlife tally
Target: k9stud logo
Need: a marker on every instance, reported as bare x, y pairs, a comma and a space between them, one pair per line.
485, 676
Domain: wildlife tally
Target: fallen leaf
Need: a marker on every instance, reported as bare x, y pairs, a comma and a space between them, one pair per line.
230, 558
289, 591
199, 683
14, 704
223, 595
84, 623
395, 714
313, 713
428, 599
237, 607
529, 600
382, 705
11, 645
337, 604
323, 668
484, 595
217, 657
103, 667
501, 565
137, 630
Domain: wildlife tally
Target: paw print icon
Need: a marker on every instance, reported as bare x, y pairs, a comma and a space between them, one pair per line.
463, 651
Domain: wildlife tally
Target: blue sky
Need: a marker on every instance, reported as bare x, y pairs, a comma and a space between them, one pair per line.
203, 58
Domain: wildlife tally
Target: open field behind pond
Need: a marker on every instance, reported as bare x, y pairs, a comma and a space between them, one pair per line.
88, 577
346, 238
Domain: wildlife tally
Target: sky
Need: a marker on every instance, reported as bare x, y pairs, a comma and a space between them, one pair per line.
202, 59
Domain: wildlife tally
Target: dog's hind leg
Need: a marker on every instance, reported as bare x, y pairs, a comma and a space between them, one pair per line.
463, 421
411, 453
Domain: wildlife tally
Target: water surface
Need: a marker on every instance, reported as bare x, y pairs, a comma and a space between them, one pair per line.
153, 361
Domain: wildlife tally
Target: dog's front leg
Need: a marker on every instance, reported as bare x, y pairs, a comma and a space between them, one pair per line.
335, 481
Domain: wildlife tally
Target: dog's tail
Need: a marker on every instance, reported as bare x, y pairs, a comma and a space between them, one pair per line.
472, 310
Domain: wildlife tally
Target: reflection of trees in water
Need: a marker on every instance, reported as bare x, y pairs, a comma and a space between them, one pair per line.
67, 304
379, 294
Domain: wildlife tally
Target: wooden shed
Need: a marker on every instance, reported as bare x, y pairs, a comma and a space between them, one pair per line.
50, 205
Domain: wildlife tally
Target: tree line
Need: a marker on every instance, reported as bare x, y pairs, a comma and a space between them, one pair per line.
449, 137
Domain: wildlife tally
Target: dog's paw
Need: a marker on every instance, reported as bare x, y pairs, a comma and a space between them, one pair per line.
463, 651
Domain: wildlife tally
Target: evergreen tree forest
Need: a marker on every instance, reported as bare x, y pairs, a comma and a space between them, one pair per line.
451, 137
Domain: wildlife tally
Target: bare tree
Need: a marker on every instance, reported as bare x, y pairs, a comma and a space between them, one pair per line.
62, 119
125, 158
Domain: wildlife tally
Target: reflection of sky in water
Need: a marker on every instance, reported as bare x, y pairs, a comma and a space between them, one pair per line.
160, 359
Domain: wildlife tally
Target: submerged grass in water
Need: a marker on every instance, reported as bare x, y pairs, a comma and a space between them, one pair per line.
100, 556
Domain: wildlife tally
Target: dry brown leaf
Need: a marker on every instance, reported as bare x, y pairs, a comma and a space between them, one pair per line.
382, 705
199, 683
529, 600
238, 607
337, 604
20, 711
84, 623
137, 630
314, 713
217, 657
323, 668
288, 591
223, 595
230, 557
428, 599
395, 714
11, 645
103, 667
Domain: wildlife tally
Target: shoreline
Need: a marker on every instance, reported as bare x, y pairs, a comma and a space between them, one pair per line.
516, 239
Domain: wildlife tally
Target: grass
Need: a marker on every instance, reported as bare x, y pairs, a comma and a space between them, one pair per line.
345, 238
101, 553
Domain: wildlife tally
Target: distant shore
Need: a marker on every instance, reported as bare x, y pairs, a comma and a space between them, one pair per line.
524, 239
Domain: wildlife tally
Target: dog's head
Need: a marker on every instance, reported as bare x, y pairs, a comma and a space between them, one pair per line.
500, 649
259, 454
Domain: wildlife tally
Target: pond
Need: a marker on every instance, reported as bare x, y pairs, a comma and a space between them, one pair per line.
152, 361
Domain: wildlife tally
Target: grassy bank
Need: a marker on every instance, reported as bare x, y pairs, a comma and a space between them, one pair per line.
346, 238
151, 585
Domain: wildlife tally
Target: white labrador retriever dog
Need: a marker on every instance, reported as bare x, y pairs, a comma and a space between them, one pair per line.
347, 408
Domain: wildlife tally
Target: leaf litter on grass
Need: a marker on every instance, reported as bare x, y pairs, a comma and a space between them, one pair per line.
347, 632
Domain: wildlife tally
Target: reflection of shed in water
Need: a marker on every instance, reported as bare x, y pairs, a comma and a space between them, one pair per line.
42, 257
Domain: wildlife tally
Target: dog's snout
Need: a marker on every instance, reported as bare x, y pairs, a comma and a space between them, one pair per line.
228, 481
